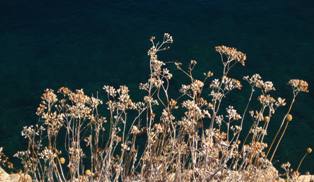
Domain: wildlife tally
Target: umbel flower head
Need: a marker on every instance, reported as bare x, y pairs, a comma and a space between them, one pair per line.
299, 85
232, 54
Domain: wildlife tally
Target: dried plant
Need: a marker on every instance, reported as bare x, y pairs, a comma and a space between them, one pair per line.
186, 137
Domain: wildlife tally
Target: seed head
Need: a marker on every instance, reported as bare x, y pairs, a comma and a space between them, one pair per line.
62, 160
309, 150
289, 118
266, 119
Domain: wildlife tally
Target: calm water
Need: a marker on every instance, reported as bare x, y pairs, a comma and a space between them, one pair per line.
86, 44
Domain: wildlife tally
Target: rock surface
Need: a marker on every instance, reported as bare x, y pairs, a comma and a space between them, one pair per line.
20, 177
306, 178
16, 177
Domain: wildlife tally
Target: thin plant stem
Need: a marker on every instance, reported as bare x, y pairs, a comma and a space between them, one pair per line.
281, 136
301, 161
282, 122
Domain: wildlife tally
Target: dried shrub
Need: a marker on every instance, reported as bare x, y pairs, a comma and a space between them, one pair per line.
160, 138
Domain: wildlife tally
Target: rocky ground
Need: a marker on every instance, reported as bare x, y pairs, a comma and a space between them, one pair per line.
20, 177
15, 177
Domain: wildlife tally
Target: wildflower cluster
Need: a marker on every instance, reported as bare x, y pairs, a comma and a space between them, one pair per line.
232, 54
4, 160
299, 85
187, 137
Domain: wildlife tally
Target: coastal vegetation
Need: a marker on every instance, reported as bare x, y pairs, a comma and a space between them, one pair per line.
196, 134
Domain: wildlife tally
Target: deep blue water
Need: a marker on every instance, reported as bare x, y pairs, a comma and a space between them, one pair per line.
86, 44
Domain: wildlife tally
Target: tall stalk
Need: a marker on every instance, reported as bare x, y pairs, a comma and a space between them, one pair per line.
281, 125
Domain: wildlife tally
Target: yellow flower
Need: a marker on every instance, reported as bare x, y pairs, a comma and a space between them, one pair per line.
88, 172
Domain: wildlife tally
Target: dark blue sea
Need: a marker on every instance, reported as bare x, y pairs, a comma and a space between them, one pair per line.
89, 43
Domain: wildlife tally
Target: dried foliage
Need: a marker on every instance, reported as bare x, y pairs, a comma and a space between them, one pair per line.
160, 138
